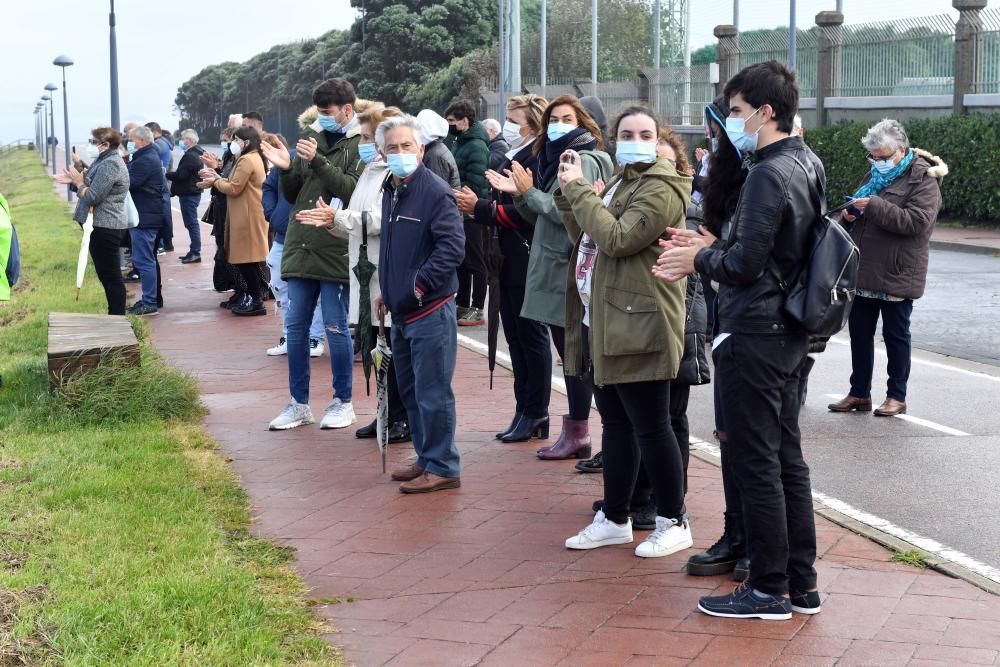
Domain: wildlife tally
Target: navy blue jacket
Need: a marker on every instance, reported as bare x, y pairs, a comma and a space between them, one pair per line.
423, 242
148, 187
276, 207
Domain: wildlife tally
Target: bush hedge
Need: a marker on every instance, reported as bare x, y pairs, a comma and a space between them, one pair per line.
968, 144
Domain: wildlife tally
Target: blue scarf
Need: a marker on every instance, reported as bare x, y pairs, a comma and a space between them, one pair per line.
879, 182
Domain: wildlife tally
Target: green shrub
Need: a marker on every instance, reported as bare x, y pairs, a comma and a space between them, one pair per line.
971, 190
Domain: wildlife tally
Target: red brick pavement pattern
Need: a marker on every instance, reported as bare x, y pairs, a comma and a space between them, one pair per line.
479, 575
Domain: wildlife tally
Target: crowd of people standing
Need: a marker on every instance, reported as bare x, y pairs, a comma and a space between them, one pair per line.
615, 250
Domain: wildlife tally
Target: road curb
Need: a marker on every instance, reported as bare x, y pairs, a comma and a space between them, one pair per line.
881, 538
965, 247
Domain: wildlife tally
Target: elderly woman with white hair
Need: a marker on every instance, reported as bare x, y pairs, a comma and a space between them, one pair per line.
184, 186
891, 218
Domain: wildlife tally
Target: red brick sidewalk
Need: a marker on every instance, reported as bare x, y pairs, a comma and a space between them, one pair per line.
480, 575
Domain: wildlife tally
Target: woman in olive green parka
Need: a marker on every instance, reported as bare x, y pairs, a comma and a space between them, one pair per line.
633, 325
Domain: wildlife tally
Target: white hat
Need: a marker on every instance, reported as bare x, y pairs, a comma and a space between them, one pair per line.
432, 126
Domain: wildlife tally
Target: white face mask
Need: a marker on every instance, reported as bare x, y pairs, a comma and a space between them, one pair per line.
92, 152
235, 148
512, 134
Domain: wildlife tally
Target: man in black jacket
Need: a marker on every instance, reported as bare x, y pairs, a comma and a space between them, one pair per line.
184, 186
421, 248
758, 350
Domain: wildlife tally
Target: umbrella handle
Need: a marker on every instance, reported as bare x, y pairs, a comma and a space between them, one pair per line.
381, 322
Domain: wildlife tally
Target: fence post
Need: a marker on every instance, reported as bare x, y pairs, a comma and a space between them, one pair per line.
727, 54
968, 50
828, 61
643, 88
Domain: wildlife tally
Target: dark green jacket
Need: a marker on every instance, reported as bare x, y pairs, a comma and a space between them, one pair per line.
472, 154
312, 252
636, 321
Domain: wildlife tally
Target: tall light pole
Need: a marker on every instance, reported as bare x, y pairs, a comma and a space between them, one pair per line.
502, 58
51, 87
115, 116
736, 14
544, 47
792, 47
593, 47
38, 127
64, 61
45, 127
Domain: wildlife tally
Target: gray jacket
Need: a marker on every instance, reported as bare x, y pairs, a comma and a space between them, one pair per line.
106, 184
439, 160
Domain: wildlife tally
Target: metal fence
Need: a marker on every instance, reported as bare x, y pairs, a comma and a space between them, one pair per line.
773, 45
989, 78
679, 94
908, 56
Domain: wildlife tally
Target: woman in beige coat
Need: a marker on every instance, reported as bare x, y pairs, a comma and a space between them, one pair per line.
246, 227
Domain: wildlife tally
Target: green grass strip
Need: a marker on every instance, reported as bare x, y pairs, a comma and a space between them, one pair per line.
123, 533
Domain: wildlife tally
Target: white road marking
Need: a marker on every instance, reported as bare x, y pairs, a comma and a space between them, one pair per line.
917, 420
878, 523
925, 543
839, 340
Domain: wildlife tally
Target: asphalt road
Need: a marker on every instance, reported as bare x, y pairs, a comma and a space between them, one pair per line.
933, 483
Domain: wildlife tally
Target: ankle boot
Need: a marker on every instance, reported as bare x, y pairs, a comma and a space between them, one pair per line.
528, 428
742, 569
513, 424
573, 442
722, 556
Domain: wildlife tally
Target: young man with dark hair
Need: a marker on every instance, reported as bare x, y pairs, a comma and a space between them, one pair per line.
254, 120
758, 349
314, 262
471, 147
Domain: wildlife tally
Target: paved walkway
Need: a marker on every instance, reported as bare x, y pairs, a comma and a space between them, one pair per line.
967, 239
479, 575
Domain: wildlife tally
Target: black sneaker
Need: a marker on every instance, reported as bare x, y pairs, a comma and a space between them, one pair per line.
131, 277
191, 259
367, 432
594, 464
140, 309
805, 602
645, 517
399, 432
745, 602
168, 247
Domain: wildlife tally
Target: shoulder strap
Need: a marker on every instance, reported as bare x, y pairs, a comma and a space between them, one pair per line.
818, 201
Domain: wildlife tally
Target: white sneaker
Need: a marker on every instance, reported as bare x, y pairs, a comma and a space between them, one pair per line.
315, 347
294, 415
668, 538
601, 533
338, 415
278, 350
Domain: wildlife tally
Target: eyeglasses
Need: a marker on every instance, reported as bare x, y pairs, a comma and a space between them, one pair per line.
878, 158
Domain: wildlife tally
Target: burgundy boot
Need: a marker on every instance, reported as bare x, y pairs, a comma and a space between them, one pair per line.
573, 442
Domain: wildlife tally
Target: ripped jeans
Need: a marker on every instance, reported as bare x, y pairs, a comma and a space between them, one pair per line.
334, 298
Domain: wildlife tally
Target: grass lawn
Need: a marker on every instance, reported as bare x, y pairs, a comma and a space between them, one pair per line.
123, 533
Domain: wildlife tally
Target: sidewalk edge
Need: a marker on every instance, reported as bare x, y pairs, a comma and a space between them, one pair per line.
969, 248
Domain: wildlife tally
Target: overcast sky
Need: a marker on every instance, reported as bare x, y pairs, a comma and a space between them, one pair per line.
161, 45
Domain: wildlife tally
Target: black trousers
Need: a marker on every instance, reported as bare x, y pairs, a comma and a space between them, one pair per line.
105, 250
472, 271
530, 354
759, 391
679, 396
252, 278
895, 333
579, 389
636, 432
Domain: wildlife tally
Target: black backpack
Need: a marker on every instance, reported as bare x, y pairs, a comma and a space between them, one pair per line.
819, 299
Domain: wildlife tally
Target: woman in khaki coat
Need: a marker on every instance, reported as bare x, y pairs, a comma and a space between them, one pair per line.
246, 227
631, 324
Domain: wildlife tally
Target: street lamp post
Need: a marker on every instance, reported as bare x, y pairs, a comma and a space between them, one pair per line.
45, 127
51, 87
115, 117
64, 62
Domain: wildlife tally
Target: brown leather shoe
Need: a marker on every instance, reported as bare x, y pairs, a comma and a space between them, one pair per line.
850, 403
427, 482
891, 408
411, 471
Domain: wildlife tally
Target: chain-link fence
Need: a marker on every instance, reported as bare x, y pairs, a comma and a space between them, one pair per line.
679, 94
908, 56
758, 47
989, 78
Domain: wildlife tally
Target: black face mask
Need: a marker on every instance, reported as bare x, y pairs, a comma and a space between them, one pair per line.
453, 130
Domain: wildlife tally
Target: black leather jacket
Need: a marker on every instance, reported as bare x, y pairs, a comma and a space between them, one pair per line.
774, 222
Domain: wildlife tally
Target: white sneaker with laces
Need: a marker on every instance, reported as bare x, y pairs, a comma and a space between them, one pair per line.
668, 538
338, 415
601, 533
294, 415
278, 350
316, 347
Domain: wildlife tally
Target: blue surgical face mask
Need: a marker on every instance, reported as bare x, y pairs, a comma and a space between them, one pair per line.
736, 131
329, 123
403, 164
630, 152
559, 130
883, 166
368, 152
130, 147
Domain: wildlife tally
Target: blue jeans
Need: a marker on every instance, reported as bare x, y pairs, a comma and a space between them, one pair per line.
423, 355
895, 333
303, 294
144, 261
189, 211
279, 288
